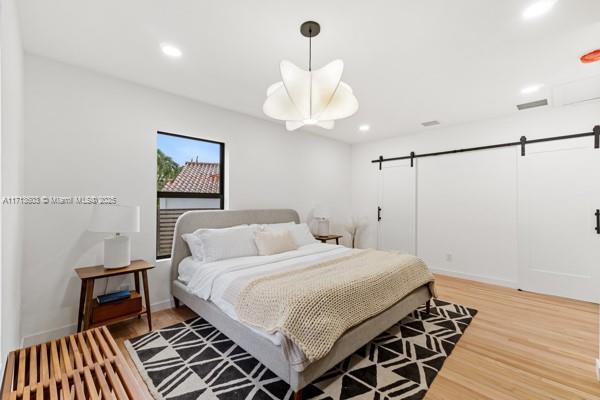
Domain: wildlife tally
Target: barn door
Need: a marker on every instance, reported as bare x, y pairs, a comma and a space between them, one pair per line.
559, 232
397, 207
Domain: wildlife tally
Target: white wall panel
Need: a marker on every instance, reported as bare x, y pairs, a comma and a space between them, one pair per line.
397, 199
467, 213
12, 174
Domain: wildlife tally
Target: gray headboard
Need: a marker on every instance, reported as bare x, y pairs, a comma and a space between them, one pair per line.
192, 220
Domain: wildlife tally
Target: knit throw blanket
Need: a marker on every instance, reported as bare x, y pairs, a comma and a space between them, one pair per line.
313, 306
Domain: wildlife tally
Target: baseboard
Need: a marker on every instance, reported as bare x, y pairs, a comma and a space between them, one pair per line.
475, 277
44, 336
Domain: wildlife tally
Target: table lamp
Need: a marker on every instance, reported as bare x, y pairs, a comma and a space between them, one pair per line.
117, 220
321, 214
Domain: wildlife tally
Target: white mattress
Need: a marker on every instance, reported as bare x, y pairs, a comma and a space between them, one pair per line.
209, 281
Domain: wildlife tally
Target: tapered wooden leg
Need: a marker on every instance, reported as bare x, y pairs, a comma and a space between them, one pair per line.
298, 395
136, 278
428, 306
176, 301
81, 305
147, 297
89, 298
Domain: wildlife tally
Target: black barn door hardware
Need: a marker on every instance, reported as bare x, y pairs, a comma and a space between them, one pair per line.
522, 142
412, 159
598, 222
378, 213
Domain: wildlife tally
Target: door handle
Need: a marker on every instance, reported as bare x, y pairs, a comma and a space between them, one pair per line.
379, 214
597, 221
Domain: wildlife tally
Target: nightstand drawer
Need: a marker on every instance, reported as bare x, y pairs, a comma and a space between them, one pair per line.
117, 309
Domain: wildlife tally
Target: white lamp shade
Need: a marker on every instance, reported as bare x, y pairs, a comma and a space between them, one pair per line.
115, 219
310, 97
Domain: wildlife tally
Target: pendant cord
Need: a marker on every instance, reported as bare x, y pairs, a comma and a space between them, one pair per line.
310, 50
310, 72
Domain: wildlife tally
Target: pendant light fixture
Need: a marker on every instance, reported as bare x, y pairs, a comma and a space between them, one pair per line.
310, 97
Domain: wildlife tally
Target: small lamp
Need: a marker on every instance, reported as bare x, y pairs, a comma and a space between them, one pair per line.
116, 219
322, 216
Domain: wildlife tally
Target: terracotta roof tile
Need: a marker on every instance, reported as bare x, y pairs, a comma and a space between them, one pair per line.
196, 177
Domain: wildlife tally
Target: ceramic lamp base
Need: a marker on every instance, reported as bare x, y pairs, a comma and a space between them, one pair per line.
117, 252
323, 226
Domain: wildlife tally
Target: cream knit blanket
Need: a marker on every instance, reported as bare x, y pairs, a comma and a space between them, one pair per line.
315, 305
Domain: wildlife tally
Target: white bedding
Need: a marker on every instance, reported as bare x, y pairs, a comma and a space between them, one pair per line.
209, 281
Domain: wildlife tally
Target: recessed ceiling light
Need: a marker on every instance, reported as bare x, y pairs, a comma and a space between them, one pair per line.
364, 128
538, 8
531, 89
170, 50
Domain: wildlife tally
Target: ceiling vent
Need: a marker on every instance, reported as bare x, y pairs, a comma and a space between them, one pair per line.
533, 104
430, 123
579, 91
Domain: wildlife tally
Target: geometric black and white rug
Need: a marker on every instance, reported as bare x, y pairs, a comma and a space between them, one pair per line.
193, 360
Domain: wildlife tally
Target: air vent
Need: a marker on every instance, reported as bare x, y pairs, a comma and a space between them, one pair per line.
533, 104
430, 123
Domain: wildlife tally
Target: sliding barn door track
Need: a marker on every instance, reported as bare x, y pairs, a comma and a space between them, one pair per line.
523, 141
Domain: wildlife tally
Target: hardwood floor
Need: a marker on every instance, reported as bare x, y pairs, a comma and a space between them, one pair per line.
520, 346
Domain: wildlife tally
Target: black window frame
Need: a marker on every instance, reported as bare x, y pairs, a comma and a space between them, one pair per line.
220, 195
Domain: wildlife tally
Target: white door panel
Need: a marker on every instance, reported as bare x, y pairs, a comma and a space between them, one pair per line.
467, 214
397, 199
559, 249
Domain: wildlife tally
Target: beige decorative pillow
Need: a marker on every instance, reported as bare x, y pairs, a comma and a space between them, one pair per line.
269, 243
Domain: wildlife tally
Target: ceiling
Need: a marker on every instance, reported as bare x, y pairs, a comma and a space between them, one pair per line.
407, 61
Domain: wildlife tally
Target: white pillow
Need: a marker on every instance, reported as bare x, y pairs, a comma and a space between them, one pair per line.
202, 230
279, 226
300, 232
195, 245
229, 243
269, 243
207, 245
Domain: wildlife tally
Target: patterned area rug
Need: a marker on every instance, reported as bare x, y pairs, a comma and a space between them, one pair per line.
193, 360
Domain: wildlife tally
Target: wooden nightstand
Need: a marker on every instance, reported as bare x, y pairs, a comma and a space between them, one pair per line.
86, 299
324, 239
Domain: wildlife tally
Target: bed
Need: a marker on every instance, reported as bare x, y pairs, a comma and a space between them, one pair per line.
259, 345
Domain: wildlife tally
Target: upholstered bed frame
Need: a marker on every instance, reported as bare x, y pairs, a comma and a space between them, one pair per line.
261, 348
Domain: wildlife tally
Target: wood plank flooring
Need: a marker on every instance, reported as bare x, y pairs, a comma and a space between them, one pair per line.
520, 346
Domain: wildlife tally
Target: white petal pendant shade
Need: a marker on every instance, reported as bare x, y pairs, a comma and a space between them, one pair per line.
310, 97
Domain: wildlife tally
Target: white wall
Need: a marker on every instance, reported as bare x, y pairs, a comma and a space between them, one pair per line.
88, 134
466, 203
12, 173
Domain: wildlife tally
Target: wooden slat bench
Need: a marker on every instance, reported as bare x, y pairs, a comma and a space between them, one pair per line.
86, 365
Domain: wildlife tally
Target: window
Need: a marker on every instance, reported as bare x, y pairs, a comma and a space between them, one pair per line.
190, 175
